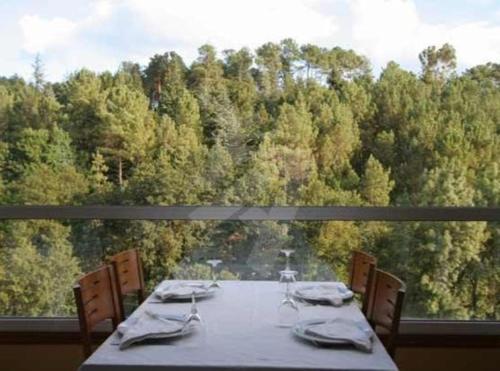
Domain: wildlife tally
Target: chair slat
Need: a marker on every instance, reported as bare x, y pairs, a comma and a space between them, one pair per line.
96, 300
386, 306
129, 276
361, 277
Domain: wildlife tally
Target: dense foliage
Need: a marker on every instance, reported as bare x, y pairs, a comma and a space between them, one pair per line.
284, 125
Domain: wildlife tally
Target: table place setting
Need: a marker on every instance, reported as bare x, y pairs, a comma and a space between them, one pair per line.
181, 291
323, 331
168, 291
150, 325
335, 293
336, 331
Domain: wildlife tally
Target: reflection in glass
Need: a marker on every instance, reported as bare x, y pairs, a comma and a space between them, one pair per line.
213, 265
288, 311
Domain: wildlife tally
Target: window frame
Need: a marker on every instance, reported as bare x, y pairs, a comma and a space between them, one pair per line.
239, 213
413, 332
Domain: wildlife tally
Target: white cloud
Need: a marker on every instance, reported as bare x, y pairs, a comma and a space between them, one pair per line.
383, 30
232, 24
114, 30
102, 9
476, 43
41, 34
393, 30
62, 43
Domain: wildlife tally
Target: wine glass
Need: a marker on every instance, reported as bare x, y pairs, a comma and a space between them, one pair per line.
288, 253
288, 311
287, 276
193, 315
213, 264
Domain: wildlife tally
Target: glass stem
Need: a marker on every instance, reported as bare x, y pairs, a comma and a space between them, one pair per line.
193, 303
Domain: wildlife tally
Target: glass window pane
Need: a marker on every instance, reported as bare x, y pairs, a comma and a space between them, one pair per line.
451, 269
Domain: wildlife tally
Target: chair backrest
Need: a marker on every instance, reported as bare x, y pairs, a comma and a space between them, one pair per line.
386, 306
129, 276
362, 275
96, 300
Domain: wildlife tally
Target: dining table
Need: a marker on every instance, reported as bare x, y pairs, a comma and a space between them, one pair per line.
240, 331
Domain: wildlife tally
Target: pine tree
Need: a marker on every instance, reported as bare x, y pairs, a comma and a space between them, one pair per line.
84, 100
437, 64
41, 267
127, 129
270, 63
38, 74
376, 184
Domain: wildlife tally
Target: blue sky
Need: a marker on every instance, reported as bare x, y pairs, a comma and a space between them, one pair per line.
99, 34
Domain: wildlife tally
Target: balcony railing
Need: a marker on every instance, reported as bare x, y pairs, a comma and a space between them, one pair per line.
413, 332
343, 213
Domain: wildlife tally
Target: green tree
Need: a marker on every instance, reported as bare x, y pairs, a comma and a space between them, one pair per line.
84, 100
127, 128
38, 74
241, 85
376, 184
438, 63
270, 64
41, 268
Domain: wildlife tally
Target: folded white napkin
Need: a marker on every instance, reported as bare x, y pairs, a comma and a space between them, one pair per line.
343, 330
125, 325
172, 290
334, 294
147, 326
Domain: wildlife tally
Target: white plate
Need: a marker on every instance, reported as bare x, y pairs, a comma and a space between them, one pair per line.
200, 294
188, 329
345, 293
300, 327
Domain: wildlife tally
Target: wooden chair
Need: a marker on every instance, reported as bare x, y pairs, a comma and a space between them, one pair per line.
96, 300
129, 277
361, 277
385, 309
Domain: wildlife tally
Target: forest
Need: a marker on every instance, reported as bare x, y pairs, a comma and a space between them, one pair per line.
284, 124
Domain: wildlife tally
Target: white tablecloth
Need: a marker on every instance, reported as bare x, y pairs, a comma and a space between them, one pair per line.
240, 334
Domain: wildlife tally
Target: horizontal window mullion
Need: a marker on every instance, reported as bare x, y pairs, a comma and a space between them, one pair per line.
343, 213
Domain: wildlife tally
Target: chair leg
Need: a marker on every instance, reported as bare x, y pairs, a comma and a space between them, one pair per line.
140, 296
87, 346
391, 349
82, 320
368, 295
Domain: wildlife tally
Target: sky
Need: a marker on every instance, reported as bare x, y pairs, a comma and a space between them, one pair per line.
99, 34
